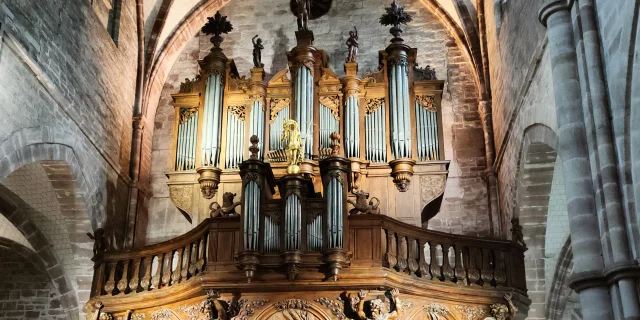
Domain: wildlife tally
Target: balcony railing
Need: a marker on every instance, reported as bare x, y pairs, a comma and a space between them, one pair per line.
377, 242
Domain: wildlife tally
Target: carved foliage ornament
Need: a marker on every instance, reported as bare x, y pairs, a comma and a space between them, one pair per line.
163, 314
243, 309
427, 101
276, 106
431, 186
186, 114
335, 305
333, 103
239, 83
373, 104
182, 196
436, 310
376, 76
191, 311
238, 111
471, 312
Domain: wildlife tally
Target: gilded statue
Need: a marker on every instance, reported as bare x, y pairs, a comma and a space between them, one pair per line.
228, 207
303, 7
352, 43
377, 307
291, 135
361, 205
257, 51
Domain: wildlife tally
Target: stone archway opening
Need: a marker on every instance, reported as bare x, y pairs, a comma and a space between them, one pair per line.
43, 202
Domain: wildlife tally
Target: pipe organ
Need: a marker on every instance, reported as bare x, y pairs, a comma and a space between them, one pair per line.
389, 121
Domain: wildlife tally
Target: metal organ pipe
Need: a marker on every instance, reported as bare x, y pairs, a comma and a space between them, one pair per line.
352, 122
375, 142
256, 126
212, 121
400, 114
304, 107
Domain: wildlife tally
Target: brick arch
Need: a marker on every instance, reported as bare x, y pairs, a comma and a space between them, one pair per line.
42, 255
537, 163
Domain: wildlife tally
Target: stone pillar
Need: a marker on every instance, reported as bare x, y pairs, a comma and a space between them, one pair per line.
619, 268
484, 109
587, 279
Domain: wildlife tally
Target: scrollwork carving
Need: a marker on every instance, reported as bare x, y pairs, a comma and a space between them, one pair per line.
335, 305
333, 103
436, 310
471, 312
186, 114
191, 311
373, 104
162, 314
298, 304
427, 101
276, 106
372, 76
238, 111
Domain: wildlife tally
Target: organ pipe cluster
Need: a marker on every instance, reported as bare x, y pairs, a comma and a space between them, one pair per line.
399, 110
304, 100
212, 127
186, 144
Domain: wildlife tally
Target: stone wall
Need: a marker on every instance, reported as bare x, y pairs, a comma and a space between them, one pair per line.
66, 82
26, 291
464, 208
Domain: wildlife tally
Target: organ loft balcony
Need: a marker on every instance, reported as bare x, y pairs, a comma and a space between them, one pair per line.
318, 191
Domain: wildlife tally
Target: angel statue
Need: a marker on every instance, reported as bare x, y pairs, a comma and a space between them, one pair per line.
352, 43
377, 306
257, 52
291, 135
500, 311
303, 7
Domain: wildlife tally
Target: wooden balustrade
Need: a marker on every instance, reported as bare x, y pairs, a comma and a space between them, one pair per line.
374, 241
153, 267
378, 240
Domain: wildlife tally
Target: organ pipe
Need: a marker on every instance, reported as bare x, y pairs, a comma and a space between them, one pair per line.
212, 121
275, 129
399, 110
303, 90
251, 208
235, 140
186, 144
328, 125
256, 125
375, 128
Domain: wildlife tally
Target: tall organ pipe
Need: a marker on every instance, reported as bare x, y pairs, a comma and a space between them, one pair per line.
400, 112
352, 139
375, 144
304, 107
212, 121
256, 126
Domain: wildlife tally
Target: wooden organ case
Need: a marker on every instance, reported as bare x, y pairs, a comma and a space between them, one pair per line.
327, 242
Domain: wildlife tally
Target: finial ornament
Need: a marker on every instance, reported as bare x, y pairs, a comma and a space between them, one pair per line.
395, 16
257, 52
291, 135
254, 147
216, 26
352, 43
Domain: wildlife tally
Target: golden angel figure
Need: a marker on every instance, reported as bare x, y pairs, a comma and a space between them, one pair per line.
291, 135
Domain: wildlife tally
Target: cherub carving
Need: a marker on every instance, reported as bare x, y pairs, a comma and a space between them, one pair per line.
257, 51
228, 206
361, 205
377, 306
212, 303
516, 232
352, 43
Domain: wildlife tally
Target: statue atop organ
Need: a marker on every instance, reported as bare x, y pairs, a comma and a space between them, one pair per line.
318, 162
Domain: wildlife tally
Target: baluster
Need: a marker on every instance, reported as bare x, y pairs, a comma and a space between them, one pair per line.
413, 256
424, 266
460, 274
110, 285
166, 268
434, 267
133, 283
473, 273
486, 273
155, 280
124, 281
202, 251
175, 277
145, 282
500, 272
390, 257
384, 241
402, 254
185, 262
193, 266
447, 271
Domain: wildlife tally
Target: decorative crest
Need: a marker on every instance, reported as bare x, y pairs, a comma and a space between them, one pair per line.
395, 16
217, 26
426, 73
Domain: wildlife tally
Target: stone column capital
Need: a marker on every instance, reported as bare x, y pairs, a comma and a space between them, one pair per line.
550, 7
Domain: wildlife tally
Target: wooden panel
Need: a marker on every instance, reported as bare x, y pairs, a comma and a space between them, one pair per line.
225, 246
363, 244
